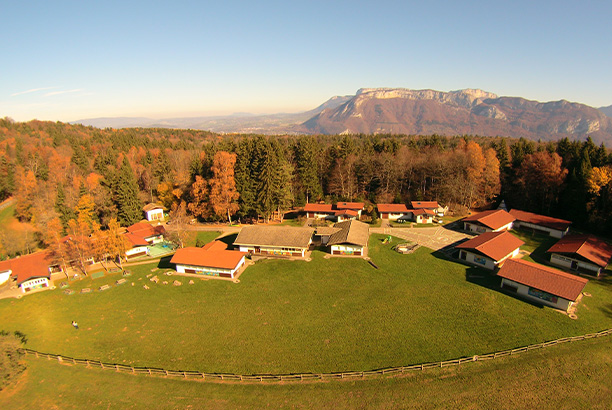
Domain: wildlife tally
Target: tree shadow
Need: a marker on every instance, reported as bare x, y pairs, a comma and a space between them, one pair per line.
228, 239
607, 310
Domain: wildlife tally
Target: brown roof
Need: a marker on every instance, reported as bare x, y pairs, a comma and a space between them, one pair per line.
318, 208
146, 230
424, 204
423, 211
355, 206
23, 268
211, 258
589, 247
542, 220
392, 208
150, 207
353, 232
285, 236
544, 278
326, 230
494, 219
495, 245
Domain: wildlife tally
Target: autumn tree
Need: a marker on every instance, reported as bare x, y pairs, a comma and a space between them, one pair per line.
540, 178
115, 242
223, 193
178, 223
199, 196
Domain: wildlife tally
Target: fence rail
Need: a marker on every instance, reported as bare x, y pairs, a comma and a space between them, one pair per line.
229, 377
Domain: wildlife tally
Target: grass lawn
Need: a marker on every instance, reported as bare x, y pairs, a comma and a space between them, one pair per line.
204, 236
568, 376
536, 245
294, 316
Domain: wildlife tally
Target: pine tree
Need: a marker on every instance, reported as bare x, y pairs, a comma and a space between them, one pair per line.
125, 194
307, 158
244, 176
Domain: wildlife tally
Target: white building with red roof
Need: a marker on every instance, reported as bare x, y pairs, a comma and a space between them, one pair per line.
141, 236
213, 259
393, 212
495, 220
541, 284
153, 212
339, 212
557, 228
490, 249
29, 272
586, 253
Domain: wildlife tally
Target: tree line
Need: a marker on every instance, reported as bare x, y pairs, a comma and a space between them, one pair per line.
58, 173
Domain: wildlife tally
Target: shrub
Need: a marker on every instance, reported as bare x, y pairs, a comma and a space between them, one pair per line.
11, 355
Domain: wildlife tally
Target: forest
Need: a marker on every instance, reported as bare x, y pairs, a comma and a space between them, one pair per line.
72, 179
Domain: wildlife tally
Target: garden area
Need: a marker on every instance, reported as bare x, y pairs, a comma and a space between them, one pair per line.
284, 316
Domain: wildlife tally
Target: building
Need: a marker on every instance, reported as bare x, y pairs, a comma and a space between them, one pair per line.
154, 212
351, 238
431, 205
541, 284
339, 212
274, 240
141, 236
490, 249
557, 228
495, 220
423, 216
393, 212
585, 253
319, 211
213, 259
29, 272
345, 215
351, 206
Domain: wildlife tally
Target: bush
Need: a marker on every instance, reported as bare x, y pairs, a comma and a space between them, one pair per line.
11, 355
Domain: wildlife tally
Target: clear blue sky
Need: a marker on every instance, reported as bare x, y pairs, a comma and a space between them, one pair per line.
67, 60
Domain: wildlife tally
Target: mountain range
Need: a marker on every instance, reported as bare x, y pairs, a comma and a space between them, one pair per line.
405, 111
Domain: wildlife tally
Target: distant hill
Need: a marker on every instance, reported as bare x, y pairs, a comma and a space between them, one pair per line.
405, 111
606, 110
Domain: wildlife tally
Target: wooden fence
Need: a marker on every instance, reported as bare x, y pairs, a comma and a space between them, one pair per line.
228, 377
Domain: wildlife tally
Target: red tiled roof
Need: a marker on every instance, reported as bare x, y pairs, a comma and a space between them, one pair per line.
348, 212
543, 278
212, 258
318, 208
355, 206
136, 240
495, 245
146, 230
392, 208
542, 220
424, 204
215, 246
423, 211
27, 267
494, 219
588, 246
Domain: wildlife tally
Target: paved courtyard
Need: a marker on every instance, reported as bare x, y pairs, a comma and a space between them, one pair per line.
436, 237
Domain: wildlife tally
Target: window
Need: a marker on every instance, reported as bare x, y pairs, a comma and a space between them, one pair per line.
542, 295
480, 260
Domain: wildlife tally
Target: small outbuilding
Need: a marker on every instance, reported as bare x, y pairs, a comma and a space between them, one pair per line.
274, 240
541, 284
495, 220
350, 239
584, 253
423, 215
319, 211
153, 212
141, 236
213, 259
490, 249
557, 228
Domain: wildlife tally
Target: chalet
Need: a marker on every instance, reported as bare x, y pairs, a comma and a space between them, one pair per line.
585, 253
431, 205
345, 215
557, 228
351, 206
319, 211
213, 259
154, 212
274, 240
351, 238
490, 249
393, 212
495, 220
141, 236
541, 284
423, 216
29, 272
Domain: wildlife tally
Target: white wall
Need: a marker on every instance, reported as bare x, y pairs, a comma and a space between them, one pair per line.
136, 250
4, 276
33, 283
566, 262
555, 233
205, 270
271, 250
346, 249
523, 290
155, 215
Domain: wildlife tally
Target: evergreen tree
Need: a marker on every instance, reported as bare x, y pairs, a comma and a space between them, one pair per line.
162, 169
244, 176
125, 195
307, 158
64, 211
266, 171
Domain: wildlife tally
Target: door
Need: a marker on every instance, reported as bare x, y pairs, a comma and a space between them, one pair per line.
574, 265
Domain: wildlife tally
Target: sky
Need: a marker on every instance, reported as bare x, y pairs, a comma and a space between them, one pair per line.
69, 60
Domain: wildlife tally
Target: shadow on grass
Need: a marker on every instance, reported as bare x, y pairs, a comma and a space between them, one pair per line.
607, 310
164, 263
229, 239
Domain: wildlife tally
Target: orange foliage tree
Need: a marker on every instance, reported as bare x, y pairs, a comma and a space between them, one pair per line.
223, 193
